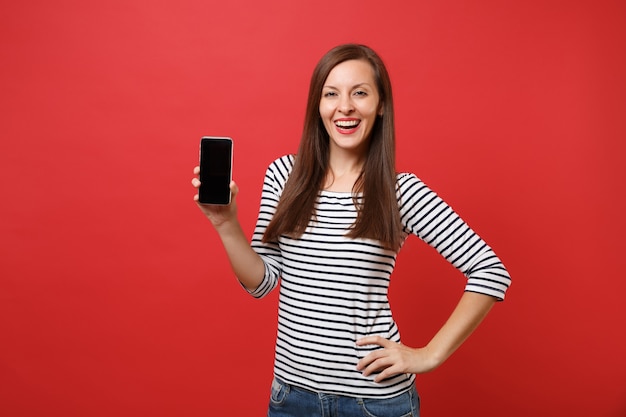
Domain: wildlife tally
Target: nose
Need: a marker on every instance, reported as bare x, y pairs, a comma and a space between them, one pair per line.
345, 104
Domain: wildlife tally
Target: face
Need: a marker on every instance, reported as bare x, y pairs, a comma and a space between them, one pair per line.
349, 105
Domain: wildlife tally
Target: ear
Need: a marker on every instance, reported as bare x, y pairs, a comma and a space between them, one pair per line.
381, 110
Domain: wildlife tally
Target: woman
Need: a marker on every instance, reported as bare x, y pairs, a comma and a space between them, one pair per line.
331, 222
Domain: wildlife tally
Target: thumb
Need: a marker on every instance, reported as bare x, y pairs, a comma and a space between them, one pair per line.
234, 189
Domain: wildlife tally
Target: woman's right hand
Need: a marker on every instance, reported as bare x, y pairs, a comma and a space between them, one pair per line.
217, 214
246, 263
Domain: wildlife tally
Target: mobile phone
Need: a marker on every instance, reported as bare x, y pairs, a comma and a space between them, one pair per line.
216, 162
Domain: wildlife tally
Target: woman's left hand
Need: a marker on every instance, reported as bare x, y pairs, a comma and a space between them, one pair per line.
394, 358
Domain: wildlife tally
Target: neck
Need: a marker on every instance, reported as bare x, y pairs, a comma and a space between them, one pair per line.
343, 171
342, 161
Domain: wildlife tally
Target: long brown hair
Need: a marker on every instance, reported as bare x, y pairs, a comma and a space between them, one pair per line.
378, 215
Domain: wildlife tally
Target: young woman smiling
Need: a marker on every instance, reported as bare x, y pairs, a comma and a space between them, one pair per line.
331, 222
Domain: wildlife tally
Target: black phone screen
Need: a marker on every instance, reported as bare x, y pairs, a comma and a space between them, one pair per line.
216, 156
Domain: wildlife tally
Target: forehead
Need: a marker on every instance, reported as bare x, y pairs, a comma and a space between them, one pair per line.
351, 73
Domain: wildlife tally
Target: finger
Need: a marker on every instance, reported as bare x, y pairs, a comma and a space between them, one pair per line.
195, 182
374, 361
368, 360
375, 340
386, 373
196, 170
384, 365
379, 365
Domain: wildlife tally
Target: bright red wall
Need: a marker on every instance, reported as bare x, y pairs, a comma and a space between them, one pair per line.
115, 294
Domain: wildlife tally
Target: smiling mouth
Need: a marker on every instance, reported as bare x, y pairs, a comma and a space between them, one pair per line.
347, 124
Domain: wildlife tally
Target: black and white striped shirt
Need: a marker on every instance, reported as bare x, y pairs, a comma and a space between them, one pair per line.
333, 288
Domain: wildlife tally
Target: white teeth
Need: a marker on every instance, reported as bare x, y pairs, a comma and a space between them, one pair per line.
347, 123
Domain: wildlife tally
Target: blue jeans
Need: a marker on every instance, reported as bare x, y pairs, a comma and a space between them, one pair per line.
290, 401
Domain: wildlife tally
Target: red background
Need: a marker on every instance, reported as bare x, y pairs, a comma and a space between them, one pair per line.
115, 295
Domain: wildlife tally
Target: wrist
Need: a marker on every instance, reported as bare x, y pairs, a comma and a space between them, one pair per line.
228, 226
435, 357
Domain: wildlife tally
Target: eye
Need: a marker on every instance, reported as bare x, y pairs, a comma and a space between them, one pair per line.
330, 94
360, 93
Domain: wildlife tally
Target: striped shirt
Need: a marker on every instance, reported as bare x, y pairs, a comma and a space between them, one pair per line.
333, 288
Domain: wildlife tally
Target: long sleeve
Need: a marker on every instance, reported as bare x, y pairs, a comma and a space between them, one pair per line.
430, 218
273, 184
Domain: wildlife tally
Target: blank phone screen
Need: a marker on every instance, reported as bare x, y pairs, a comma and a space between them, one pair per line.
215, 170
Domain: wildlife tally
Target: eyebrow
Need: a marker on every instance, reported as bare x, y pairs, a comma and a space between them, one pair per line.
352, 88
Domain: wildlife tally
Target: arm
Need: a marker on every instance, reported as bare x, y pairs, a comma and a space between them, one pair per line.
245, 262
427, 216
396, 358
